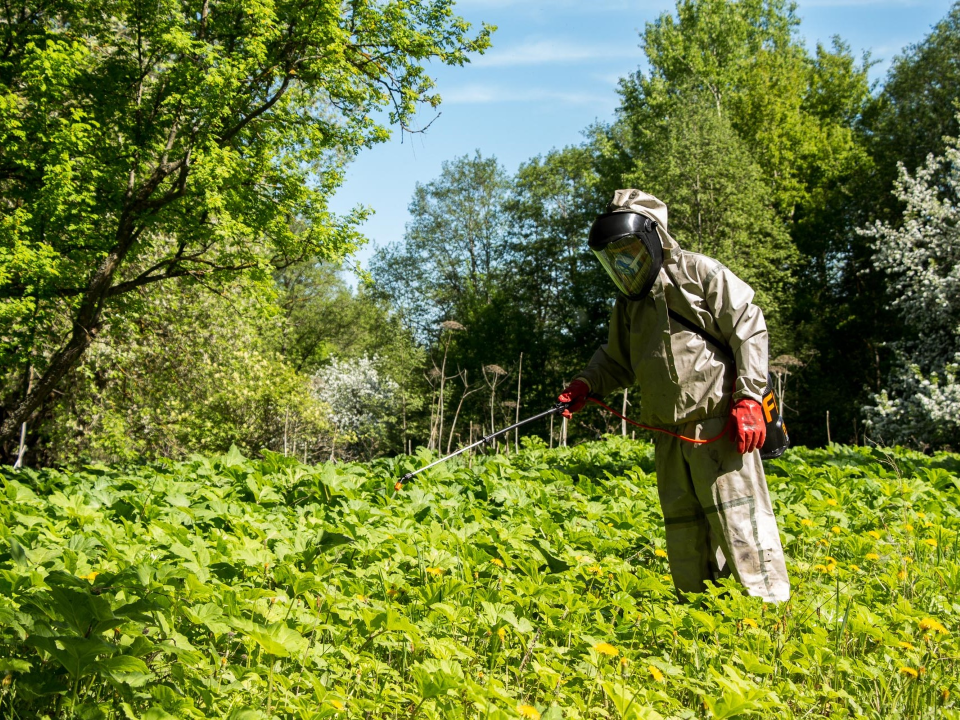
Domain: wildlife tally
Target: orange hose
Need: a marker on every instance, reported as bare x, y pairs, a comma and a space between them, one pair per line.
695, 441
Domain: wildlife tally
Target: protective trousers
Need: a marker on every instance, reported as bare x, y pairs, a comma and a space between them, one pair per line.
717, 514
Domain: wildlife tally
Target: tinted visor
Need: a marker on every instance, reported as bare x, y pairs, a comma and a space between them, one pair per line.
629, 264
629, 248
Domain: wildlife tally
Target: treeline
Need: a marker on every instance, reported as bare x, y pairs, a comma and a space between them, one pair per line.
230, 321
777, 160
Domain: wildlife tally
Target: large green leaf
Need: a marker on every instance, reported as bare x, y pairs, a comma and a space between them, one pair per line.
77, 655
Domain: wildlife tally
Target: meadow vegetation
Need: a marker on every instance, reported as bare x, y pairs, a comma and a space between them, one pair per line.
533, 585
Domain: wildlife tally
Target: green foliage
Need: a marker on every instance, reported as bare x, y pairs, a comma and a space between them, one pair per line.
721, 206
505, 260
791, 110
196, 371
325, 318
915, 110
453, 255
782, 155
193, 139
919, 257
530, 586
192, 371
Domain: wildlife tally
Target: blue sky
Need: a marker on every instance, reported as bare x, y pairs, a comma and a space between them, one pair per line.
552, 71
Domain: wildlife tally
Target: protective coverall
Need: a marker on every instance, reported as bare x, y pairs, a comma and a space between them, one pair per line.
716, 507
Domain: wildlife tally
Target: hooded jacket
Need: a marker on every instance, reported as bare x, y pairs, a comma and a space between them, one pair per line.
682, 377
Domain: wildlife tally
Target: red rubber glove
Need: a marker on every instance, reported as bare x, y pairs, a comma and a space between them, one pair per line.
576, 394
748, 429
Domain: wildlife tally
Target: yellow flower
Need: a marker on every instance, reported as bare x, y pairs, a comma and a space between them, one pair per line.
907, 559
874, 534
855, 568
498, 562
908, 528
829, 559
872, 556
928, 524
921, 515
337, 704
362, 598
605, 648
825, 568
595, 569
831, 502
750, 622
656, 674
944, 694
931, 542
908, 671
902, 575
835, 529
660, 553
528, 711
502, 633
623, 662
928, 624
807, 522
435, 571
90, 577
905, 645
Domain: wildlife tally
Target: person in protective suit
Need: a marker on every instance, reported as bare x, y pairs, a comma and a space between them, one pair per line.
716, 508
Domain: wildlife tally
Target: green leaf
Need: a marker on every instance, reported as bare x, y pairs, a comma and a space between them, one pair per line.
275, 639
78, 656
14, 665
18, 554
626, 703
125, 669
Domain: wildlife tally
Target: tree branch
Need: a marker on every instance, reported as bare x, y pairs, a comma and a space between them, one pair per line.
230, 134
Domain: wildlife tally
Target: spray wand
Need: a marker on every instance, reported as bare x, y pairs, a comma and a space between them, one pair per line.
558, 408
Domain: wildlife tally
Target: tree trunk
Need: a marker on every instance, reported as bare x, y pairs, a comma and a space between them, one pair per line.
86, 325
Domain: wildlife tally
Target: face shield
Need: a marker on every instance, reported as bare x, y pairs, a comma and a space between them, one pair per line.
628, 246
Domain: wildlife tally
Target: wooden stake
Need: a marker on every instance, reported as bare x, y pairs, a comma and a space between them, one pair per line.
623, 423
23, 428
516, 433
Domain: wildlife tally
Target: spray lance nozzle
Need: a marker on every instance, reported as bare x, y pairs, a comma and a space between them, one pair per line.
557, 408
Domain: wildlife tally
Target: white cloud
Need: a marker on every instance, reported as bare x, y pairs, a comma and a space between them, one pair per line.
549, 52
479, 94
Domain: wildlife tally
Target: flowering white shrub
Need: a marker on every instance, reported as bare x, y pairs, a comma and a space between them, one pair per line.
363, 401
921, 260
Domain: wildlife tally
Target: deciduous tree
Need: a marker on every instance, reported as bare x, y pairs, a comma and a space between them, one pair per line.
141, 142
